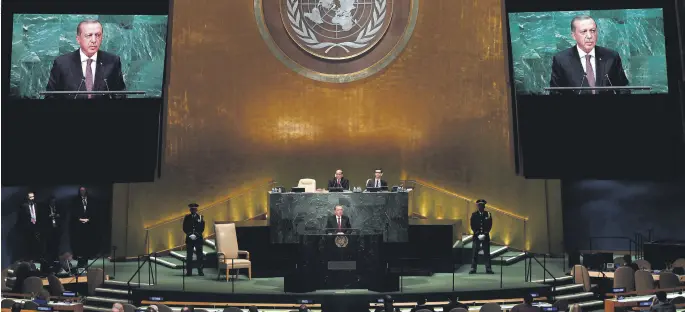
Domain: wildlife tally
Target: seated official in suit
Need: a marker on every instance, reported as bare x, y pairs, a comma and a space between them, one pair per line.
376, 182
586, 64
338, 223
88, 68
339, 181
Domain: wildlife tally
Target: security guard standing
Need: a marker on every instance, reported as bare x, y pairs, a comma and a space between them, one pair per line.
481, 224
193, 226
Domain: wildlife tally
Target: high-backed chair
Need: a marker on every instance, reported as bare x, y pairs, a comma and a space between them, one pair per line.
581, 276
227, 251
624, 277
164, 308
679, 263
561, 305
643, 264
95, 279
129, 307
55, 285
232, 309
668, 280
308, 184
491, 307
6, 303
643, 281
678, 300
32, 285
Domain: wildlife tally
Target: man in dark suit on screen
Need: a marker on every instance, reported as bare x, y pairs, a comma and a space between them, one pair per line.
339, 181
338, 223
586, 64
88, 68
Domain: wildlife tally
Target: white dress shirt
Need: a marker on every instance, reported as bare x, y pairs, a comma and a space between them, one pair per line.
593, 61
32, 210
84, 62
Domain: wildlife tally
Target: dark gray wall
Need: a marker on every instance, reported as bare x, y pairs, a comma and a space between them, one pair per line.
621, 208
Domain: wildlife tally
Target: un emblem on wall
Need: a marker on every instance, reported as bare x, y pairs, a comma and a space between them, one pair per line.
336, 40
341, 241
339, 29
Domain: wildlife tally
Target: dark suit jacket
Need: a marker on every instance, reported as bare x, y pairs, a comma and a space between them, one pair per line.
332, 223
194, 225
67, 74
481, 223
24, 219
453, 305
345, 183
567, 70
372, 182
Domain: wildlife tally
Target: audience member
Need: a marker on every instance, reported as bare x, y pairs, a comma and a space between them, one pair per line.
661, 304
629, 263
453, 304
252, 309
16, 307
117, 307
387, 303
421, 305
188, 309
526, 306
22, 272
152, 308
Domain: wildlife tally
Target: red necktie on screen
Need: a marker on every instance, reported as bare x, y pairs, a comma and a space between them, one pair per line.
89, 77
590, 72
339, 224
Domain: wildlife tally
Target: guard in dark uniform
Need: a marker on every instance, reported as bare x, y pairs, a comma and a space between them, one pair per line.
193, 226
481, 224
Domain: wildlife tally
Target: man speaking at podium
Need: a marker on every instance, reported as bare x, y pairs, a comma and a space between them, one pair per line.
88, 68
338, 223
586, 64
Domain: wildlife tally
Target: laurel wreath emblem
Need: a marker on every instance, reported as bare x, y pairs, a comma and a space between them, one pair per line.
298, 24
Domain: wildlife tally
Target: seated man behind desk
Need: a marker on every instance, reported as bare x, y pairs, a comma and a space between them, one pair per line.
377, 182
585, 64
88, 68
338, 223
339, 181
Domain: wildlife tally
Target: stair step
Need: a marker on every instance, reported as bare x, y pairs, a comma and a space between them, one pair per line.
500, 250
593, 303
94, 308
102, 299
575, 297
124, 284
465, 239
210, 243
181, 254
567, 288
560, 280
168, 262
112, 291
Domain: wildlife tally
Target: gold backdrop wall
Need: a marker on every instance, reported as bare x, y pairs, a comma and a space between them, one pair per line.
238, 116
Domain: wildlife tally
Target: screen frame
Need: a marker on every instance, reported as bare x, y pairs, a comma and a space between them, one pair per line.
674, 61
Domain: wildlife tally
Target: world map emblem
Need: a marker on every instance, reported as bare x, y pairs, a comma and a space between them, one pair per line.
336, 41
336, 29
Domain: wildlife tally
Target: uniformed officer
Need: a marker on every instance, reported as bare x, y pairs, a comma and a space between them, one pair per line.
481, 224
193, 226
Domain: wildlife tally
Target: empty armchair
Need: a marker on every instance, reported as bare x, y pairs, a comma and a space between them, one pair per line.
308, 184
624, 277
581, 276
227, 251
668, 280
643, 281
643, 264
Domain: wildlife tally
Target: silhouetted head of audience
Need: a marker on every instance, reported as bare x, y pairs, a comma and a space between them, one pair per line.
528, 299
661, 296
302, 308
252, 309
188, 309
117, 307
16, 307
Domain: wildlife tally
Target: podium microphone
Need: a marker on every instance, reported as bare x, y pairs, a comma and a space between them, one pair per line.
79, 86
107, 85
609, 80
582, 81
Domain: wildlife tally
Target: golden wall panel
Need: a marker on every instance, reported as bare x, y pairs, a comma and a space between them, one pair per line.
237, 116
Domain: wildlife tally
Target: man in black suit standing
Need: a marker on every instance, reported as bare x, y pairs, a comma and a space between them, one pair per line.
376, 182
586, 64
338, 223
31, 222
84, 228
88, 68
339, 181
481, 224
193, 226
